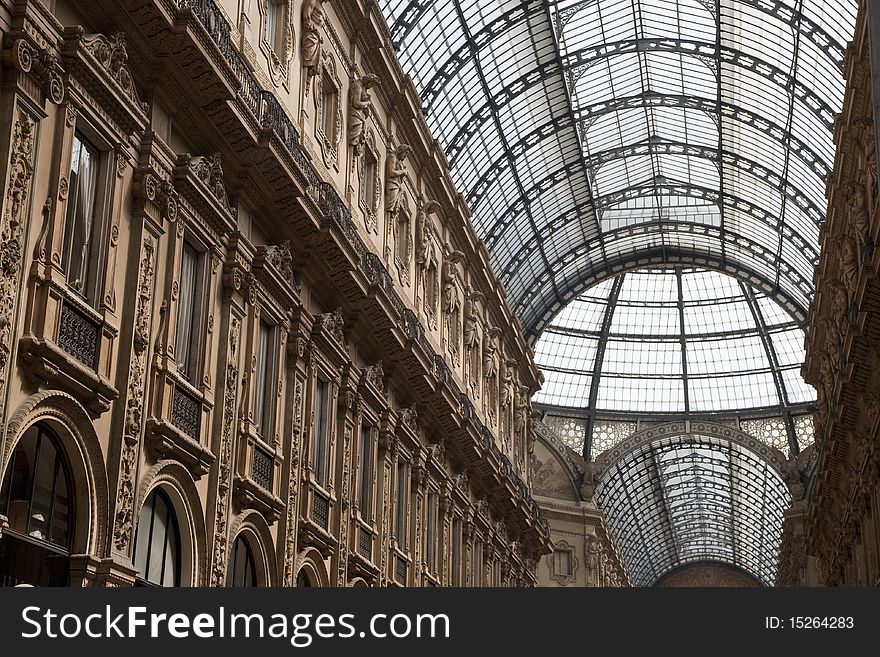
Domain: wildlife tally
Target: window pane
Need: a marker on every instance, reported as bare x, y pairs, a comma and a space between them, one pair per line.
402, 495
261, 412
321, 437
80, 213
187, 325
365, 501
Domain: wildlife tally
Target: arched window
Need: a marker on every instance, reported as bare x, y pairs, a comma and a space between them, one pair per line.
157, 545
36, 496
302, 579
242, 569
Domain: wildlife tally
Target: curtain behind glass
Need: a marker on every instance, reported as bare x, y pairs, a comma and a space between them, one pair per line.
260, 410
185, 311
80, 213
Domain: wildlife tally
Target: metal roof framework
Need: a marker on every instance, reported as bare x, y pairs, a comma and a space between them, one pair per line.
587, 133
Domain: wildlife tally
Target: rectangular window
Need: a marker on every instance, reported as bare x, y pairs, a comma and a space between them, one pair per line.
477, 565
274, 15
496, 573
328, 109
456, 552
264, 394
563, 562
431, 534
321, 452
402, 497
402, 238
368, 181
365, 473
189, 338
82, 225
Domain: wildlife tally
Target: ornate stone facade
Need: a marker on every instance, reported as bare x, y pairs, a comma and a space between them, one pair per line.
238, 342
833, 536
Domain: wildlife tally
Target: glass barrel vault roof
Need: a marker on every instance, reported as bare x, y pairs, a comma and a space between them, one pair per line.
679, 341
692, 499
589, 136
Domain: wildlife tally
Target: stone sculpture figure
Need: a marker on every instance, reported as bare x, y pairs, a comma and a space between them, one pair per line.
395, 172
312, 40
360, 110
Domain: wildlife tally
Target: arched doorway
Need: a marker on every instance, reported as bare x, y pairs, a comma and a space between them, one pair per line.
36, 496
157, 553
242, 569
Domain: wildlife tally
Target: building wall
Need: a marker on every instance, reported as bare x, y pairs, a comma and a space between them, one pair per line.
708, 574
584, 553
294, 171
834, 540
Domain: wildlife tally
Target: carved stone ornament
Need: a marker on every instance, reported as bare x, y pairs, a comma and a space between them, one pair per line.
209, 170
395, 173
15, 208
333, 324
134, 403
280, 258
375, 375
224, 462
409, 417
42, 64
359, 110
159, 192
437, 451
110, 52
460, 481
312, 38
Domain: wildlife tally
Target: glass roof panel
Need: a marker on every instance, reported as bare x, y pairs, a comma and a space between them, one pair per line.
730, 102
736, 350
693, 498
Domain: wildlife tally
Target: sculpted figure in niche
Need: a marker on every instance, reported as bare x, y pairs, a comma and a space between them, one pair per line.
849, 264
858, 213
867, 149
312, 24
395, 172
360, 110
490, 355
425, 235
426, 249
472, 340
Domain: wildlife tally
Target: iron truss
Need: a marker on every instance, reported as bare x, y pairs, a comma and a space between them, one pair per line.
708, 341
556, 114
690, 499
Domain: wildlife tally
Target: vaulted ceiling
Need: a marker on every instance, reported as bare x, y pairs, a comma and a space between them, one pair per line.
591, 137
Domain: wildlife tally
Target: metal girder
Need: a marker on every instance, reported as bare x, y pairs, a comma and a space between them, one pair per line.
541, 309
509, 153
665, 189
712, 107
600, 357
715, 506
668, 147
515, 150
774, 363
577, 62
409, 17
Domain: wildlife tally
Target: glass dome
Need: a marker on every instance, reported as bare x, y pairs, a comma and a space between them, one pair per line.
677, 341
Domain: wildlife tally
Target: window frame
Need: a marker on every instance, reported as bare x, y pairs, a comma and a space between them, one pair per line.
197, 341
90, 290
174, 524
264, 382
321, 429
60, 467
366, 467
